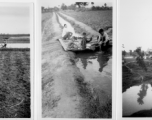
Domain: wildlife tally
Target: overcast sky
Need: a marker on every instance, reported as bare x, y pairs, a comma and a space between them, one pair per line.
51, 3
14, 18
135, 24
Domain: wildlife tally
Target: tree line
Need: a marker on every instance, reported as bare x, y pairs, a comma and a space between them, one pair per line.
12, 35
77, 6
138, 54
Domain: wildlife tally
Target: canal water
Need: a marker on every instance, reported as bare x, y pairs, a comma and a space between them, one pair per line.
97, 70
137, 98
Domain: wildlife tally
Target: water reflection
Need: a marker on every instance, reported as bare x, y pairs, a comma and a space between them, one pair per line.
137, 98
142, 93
96, 68
98, 59
102, 59
84, 62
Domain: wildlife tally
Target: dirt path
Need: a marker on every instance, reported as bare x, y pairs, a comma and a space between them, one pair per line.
60, 91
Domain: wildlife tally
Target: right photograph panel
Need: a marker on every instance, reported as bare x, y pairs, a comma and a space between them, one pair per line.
136, 40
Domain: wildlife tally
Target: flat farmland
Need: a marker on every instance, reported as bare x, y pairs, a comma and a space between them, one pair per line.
15, 83
94, 19
17, 39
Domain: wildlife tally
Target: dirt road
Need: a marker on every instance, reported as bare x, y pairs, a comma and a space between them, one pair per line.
65, 94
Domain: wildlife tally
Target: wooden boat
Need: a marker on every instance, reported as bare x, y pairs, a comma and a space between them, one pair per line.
92, 44
77, 45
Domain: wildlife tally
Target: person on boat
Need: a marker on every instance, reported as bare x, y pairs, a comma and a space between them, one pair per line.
82, 44
84, 40
103, 39
67, 32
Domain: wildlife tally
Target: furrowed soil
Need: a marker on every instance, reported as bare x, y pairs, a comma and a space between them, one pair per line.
65, 92
15, 83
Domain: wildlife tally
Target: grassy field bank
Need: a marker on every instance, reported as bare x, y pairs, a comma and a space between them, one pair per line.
94, 19
81, 27
14, 83
45, 17
132, 73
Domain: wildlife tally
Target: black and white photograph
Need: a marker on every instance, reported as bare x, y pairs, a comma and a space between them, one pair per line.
15, 70
77, 55
136, 38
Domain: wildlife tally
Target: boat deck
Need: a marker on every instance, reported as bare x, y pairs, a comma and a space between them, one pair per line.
65, 45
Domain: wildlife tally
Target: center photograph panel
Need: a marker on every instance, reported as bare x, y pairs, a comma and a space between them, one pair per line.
77, 59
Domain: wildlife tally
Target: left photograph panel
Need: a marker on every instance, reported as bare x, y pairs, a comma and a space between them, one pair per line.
15, 60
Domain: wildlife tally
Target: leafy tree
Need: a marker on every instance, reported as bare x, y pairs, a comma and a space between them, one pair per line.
80, 4
56, 9
105, 5
124, 53
42, 9
92, 3
63, 6
130, 52
140, 59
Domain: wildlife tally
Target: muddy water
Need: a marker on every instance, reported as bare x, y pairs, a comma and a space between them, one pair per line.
91, 65
18, 45
137, 98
